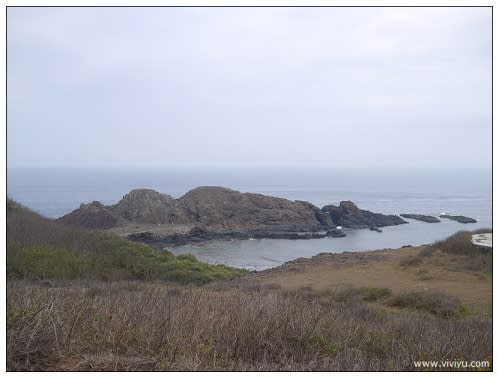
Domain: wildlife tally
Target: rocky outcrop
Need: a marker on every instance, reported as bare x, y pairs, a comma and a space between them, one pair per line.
335, 233
458, 218
347, 214
93, 215
422, 218
214, 208
221, 211
149, 207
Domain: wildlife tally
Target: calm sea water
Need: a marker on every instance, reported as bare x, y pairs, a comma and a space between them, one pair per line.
55, 192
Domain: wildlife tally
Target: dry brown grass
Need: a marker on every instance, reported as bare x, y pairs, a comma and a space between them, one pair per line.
435, 271
131, 326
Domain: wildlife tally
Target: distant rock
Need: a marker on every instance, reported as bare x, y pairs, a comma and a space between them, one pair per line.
215, 212
216, 209
347, 214
148, 206
92, 215
144, 237
335, 233
459, 218
221, 209
422, 218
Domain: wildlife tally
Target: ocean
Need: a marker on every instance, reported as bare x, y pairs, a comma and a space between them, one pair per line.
55, 192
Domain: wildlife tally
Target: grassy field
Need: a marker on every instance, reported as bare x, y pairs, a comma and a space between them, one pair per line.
87, 301
467, 277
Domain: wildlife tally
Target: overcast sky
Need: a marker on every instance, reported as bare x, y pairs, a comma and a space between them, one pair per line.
177, 87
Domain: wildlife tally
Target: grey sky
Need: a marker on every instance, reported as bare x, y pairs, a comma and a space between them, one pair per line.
339, 87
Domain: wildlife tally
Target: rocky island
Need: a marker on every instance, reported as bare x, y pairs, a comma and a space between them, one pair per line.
210, 212
422, 218
458, 218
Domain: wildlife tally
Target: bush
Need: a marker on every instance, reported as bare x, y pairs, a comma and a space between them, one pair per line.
432, 301
458, 244
476, 258
370, 294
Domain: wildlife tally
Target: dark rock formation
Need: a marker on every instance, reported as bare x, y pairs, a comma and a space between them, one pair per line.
197, 235
149, 206
216, 209
459, 218
221, 209
335, 233
323, 218
349, 215
144, 237
92, 215
422, 218
217, 212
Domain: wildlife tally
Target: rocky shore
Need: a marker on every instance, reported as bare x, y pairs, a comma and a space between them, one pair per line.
198, 235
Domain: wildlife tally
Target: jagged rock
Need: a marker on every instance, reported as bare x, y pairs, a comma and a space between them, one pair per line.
347, 214
423, 218
150, 207
323, 218
92, 215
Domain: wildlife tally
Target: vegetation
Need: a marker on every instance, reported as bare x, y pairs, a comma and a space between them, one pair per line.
432, 301
81, 300
130, 326
460, 243
475, 258
38, 248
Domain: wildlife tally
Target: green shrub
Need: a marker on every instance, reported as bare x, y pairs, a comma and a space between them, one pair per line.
432, 301
370, 294
38, 248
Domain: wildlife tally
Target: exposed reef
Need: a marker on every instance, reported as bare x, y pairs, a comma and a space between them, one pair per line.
422, 218
458, 218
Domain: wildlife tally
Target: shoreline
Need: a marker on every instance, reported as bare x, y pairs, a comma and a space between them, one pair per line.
262, 254
197, 236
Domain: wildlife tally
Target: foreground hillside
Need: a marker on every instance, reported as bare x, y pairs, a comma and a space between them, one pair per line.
38, 248
137, 326
87, 301
454, 267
